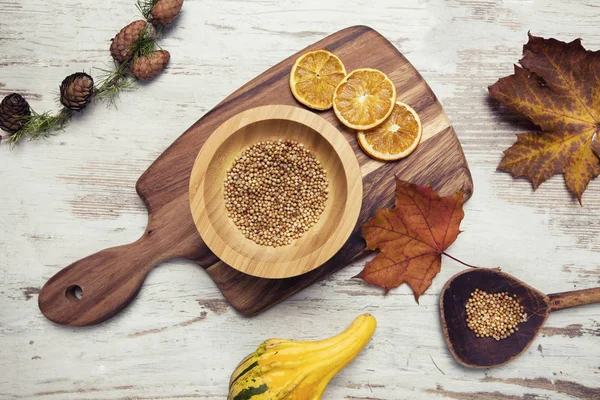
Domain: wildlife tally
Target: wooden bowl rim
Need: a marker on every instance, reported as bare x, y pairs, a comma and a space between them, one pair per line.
445, 326
352, 206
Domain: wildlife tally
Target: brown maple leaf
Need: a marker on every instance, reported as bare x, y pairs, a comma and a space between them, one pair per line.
558, 88
411, 237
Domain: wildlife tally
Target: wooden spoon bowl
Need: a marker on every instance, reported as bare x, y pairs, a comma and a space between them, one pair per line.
319, 243
475, 352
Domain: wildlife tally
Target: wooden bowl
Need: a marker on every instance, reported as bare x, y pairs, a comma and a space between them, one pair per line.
319, 243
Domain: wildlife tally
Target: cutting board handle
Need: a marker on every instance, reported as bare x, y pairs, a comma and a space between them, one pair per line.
96, 287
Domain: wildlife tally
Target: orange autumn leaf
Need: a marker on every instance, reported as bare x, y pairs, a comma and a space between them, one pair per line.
411, 237
557, 86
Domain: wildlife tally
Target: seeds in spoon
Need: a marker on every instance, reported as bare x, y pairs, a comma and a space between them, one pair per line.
494, 315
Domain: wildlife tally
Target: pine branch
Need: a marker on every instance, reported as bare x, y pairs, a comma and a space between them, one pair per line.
113, 82
38, 126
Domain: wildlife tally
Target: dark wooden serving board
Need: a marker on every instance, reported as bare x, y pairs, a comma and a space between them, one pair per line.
111, 278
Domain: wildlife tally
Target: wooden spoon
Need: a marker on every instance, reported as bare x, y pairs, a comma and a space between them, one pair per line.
475, 352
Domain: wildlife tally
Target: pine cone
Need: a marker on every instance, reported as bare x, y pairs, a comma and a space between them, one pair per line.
165, 11
145, 67
121, 46
12, 109
76, 91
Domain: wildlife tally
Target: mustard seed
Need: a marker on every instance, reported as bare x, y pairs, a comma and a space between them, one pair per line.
275, 191
493, 315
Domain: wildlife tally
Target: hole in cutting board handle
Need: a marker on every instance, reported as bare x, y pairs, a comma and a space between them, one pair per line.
74, 292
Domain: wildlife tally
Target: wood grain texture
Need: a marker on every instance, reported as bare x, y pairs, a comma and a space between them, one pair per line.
438, 161
73, 194
575, 298
336, 222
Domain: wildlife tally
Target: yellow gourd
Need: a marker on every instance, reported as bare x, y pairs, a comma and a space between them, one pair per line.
296, 370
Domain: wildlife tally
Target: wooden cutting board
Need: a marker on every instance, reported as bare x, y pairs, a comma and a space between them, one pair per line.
111, 278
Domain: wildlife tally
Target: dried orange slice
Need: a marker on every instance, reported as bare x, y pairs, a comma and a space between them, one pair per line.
314, 77
396, 137
364, 99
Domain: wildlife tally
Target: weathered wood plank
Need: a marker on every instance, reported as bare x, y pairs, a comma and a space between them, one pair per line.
164, 346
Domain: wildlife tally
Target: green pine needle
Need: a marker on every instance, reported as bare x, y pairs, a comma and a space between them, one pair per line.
112, 82
38, 126
147, 42
145, 7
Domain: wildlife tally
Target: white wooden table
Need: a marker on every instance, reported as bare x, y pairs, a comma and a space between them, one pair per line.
72, 195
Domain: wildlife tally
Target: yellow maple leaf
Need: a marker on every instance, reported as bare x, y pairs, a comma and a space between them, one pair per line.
558, 88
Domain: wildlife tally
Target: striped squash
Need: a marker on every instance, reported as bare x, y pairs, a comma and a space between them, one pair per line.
297, 370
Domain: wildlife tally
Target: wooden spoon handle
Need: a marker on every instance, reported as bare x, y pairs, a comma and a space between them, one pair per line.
96, 287
559, 301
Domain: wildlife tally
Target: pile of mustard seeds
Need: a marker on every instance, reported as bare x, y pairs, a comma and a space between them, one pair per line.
494, 315
275, 191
